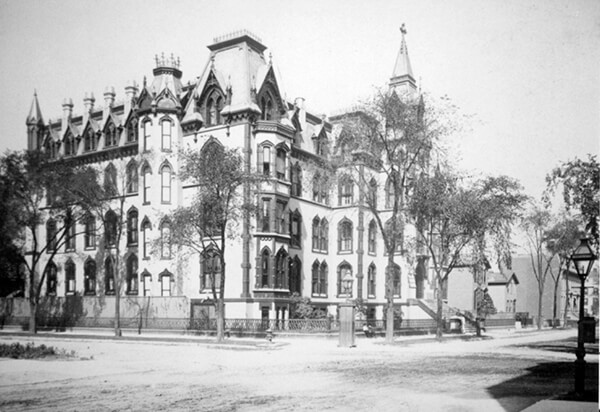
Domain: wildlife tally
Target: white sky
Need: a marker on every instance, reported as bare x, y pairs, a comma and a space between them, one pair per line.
528, 70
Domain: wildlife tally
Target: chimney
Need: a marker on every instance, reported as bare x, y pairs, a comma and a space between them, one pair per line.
88, 102
67, 112
299, 103
131, 89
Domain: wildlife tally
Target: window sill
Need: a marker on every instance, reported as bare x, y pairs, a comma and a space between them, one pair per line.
89, 293
318, 295
70, 293
90, 248
110, 293
132, 293
344, 252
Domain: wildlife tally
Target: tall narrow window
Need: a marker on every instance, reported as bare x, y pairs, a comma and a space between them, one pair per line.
146, 177
346, 191
109, 277
372, 244
296, 229
166, 135
89, 141
345, 236
295, 276
132, 275
372, 199
344, 270
265, 215
71, 237
296, 180
396, 281
265, 160
264, 268
69, 277
316, 234
165, 283
211, 269
398, 234
389, 193
89, 277
110, 231
165, 183
147, 134
89, 235
323, 273
146, 280
132, 131
371, 280
51, 234
281, 266
132, 178
132, 227
281, 218
146, 239
110, 135
110, 180
324, 238
165, 240
51, 279
316, 185
280, 163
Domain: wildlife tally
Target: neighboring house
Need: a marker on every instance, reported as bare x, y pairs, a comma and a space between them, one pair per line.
503, 291
572, 292
310, 231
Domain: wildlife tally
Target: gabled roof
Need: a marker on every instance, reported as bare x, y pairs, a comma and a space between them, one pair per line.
35, 114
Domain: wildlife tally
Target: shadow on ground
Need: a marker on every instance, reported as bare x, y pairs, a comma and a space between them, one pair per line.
565, 345
518, 393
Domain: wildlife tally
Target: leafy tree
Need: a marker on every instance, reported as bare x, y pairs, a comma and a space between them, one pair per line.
206, 224
41, 190
458, 218
580, 181
11, 256
561, 240
393, 138
302, 308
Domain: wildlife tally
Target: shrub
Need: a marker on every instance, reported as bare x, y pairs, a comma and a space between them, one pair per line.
28, 351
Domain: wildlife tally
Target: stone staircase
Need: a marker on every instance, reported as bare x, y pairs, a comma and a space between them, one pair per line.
429, 306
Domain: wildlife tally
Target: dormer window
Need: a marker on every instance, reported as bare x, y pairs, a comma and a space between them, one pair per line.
70, 145
89, 141
132, 131
110, 136
214, 105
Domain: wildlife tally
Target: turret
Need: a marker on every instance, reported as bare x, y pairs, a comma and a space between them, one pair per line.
67, 113
35, 125
402, 80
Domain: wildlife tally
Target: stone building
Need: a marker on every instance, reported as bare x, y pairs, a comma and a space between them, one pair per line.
310, 231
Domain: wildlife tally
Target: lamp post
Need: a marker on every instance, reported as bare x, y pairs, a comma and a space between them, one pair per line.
346, 338
347, 281
583, 259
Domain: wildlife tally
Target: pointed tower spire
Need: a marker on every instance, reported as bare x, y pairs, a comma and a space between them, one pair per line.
35, 114
402, 78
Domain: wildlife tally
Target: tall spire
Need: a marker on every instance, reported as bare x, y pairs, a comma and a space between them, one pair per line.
35, 114
402, 78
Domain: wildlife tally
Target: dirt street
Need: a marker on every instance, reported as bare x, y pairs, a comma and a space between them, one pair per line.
502, 374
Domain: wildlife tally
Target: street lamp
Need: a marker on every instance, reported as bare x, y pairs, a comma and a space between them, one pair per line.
346, 312
583, 259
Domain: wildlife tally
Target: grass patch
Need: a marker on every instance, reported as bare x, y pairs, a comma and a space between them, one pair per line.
30, 351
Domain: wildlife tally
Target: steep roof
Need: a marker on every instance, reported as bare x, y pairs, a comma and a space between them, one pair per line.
403, 73
35, 114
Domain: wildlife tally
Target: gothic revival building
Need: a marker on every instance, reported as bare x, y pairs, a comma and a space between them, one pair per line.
309, 234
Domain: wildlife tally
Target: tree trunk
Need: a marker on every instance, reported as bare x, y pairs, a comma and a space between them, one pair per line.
540, 297
118, 331
565, 315
440, 304
33, 308
389, 288
555, 304
220, 308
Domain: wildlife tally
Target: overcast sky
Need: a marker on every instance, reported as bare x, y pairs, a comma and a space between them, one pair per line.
528, 70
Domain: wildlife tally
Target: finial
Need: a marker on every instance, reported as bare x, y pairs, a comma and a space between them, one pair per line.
145, 80
35, 92
270, 58
403, 29
212, 61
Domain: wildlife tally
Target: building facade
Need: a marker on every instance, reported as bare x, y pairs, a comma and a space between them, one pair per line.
311, 230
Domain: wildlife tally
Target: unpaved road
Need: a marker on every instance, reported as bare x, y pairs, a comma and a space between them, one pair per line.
503, 374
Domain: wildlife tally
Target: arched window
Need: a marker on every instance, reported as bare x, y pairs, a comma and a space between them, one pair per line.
316, 234
109, 276
316, 185
132, 177
319, 279
132, 130
110, 135
372, 244
267, 107
324, 236
110, 231
110, 180
132, 275
51, 233
165, 127
295, 273
264, 160
396, 281
265, 257
296, 229
344, 270
70, 236
345, 236
371, 280
70, 146
265, 215
281, 267
69, 277
89, 277
146, 177
89, 235
166, 278
165, 240
346, 191
146, 227
211, 269
296, 178
214, 105
147, 126
280, 163
51, 279
165, 183
372, 199
389, 193
398, 234
132, 227
146, 280
89, 140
